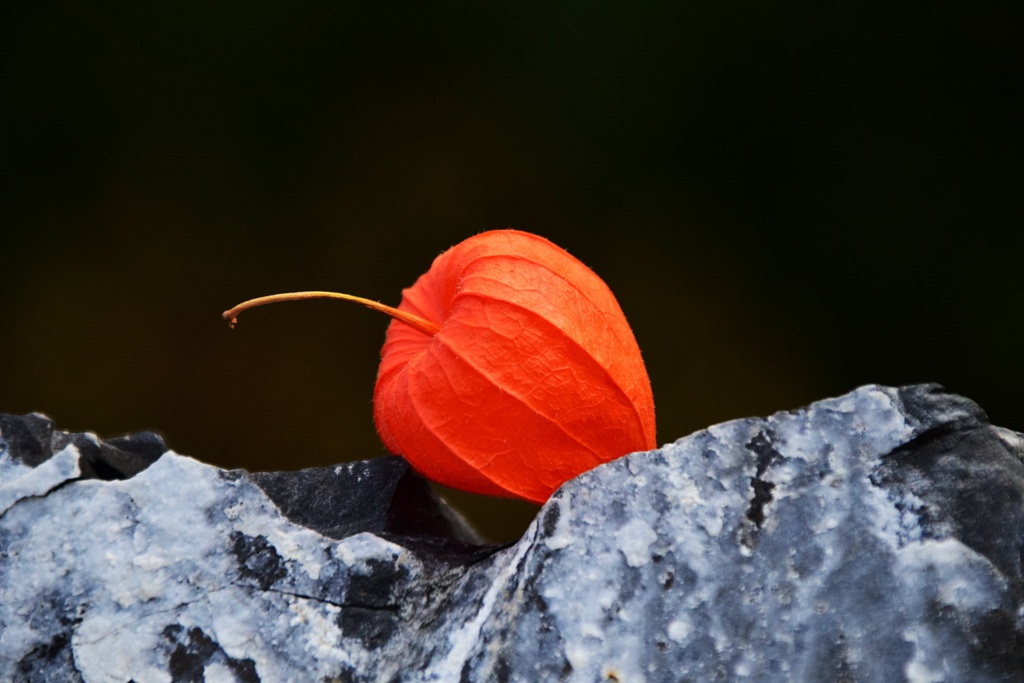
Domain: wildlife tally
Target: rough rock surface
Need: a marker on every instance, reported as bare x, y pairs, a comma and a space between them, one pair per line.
878, 536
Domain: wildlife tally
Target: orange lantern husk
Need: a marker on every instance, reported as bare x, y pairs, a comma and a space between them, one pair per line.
533, 377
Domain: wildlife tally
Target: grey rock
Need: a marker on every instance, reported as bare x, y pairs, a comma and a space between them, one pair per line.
878, 536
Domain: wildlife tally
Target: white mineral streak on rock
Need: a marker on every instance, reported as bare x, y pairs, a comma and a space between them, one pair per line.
679, 628
635, 539
924, 667
355, 551
219, 673
942, 563
18, 481
466, 637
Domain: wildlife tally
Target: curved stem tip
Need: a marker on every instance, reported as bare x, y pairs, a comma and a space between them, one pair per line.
418, 323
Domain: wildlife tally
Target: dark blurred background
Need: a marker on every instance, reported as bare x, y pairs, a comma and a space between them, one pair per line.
789, 200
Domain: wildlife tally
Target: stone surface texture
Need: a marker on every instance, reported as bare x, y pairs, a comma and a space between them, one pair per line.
877, 536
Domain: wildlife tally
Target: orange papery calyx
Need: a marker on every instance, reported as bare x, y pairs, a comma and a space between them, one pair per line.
508, 369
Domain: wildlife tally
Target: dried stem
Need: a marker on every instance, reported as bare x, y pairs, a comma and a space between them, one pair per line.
424, 326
